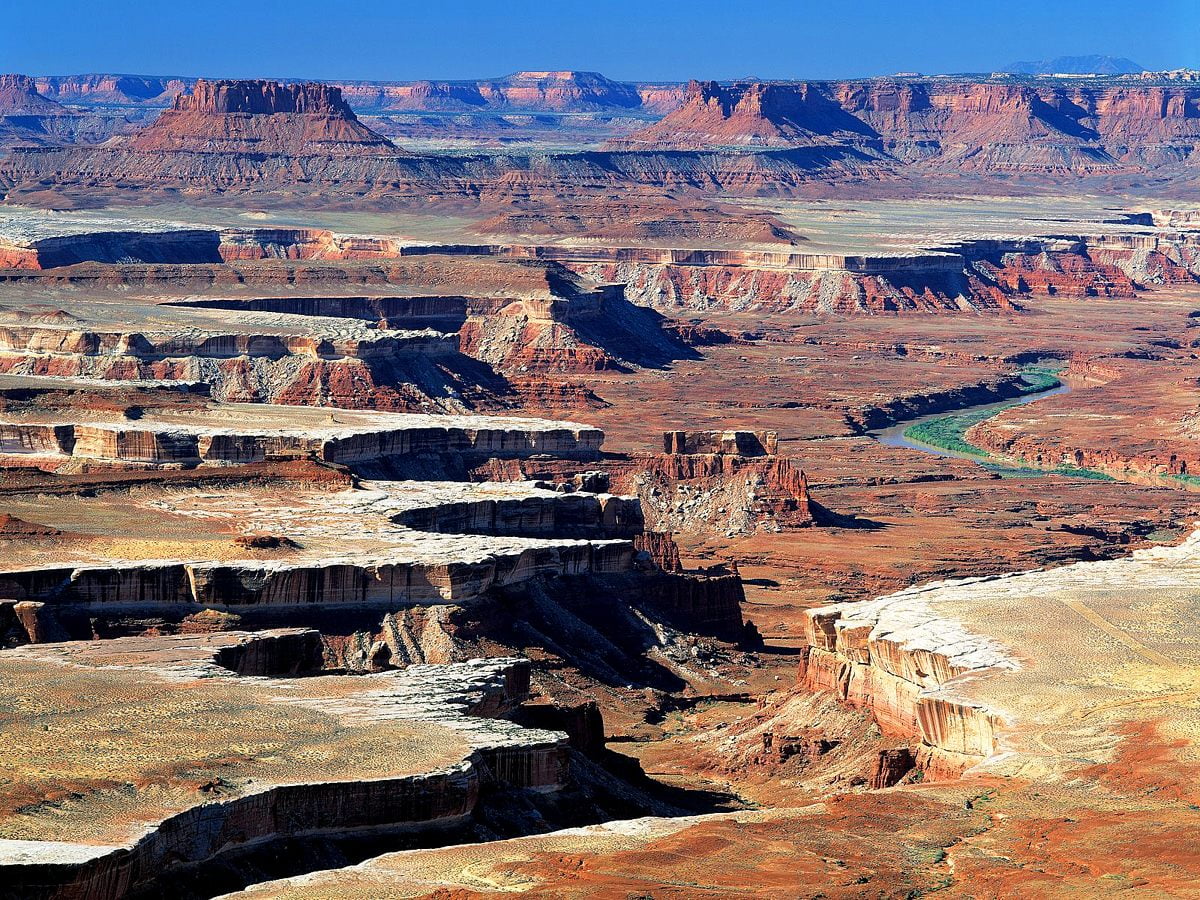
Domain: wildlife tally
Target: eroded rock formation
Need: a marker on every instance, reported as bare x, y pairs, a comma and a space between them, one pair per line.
199, 807
950, 125
260, 117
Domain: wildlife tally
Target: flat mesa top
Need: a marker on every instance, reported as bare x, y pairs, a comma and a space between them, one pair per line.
293, 421
69, 316
163, 524
1078, 653
99, 753
22, 226
882, 227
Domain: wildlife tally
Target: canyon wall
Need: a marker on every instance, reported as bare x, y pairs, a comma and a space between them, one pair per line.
901, 663
1040, 127
470, 699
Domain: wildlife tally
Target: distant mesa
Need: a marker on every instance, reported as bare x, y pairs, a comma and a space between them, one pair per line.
564, 91
753, 114
30, 119
19, 97
117, 90
746, 138
261, 117
1076, 65
979, 126
533, 91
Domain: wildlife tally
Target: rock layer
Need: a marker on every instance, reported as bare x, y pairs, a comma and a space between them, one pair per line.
260, 117
452, 712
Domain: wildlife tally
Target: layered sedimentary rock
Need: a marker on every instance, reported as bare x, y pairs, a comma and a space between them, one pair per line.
894, 661
345, 437
677, 224
975, 668
752, 116
264, 117
975, 274
383, 545
117, 90
522, 317
554, 92
410, 749
238, 133
19, 96
744, 139
732, 482
946, 125
243, 357
396, 180
27, 118
964, 276
524, 91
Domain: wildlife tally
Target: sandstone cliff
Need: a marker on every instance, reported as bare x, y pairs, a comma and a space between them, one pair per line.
987, 127
531, 91
27, 118
750, 115
746, 139
104, 89
19, 96
260, 117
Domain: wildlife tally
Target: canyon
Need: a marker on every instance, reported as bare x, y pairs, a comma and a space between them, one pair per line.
569, 487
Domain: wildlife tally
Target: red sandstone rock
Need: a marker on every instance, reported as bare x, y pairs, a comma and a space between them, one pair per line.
261, 117
661, 548
131, 90
966, 126
19, 96
748, 115
11, 526
891, 766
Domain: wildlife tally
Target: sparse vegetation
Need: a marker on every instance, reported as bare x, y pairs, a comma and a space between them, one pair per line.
949, 432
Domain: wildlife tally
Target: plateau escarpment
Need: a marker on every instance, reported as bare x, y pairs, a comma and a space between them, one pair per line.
945, 126
554, 92
414, 750
969, 274
441, 332
522, 91
1012, 737
418, 544
187, 522
29, 119
742, 139
19, 96
945, 664
402, 624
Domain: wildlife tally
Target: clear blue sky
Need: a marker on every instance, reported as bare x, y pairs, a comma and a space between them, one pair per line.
624, 39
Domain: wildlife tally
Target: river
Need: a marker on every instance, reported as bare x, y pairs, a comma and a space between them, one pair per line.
894, 436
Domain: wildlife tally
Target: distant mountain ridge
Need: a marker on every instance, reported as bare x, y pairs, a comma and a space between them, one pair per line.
1094, 64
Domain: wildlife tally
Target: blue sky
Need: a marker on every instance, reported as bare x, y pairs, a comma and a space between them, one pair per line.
624, 39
